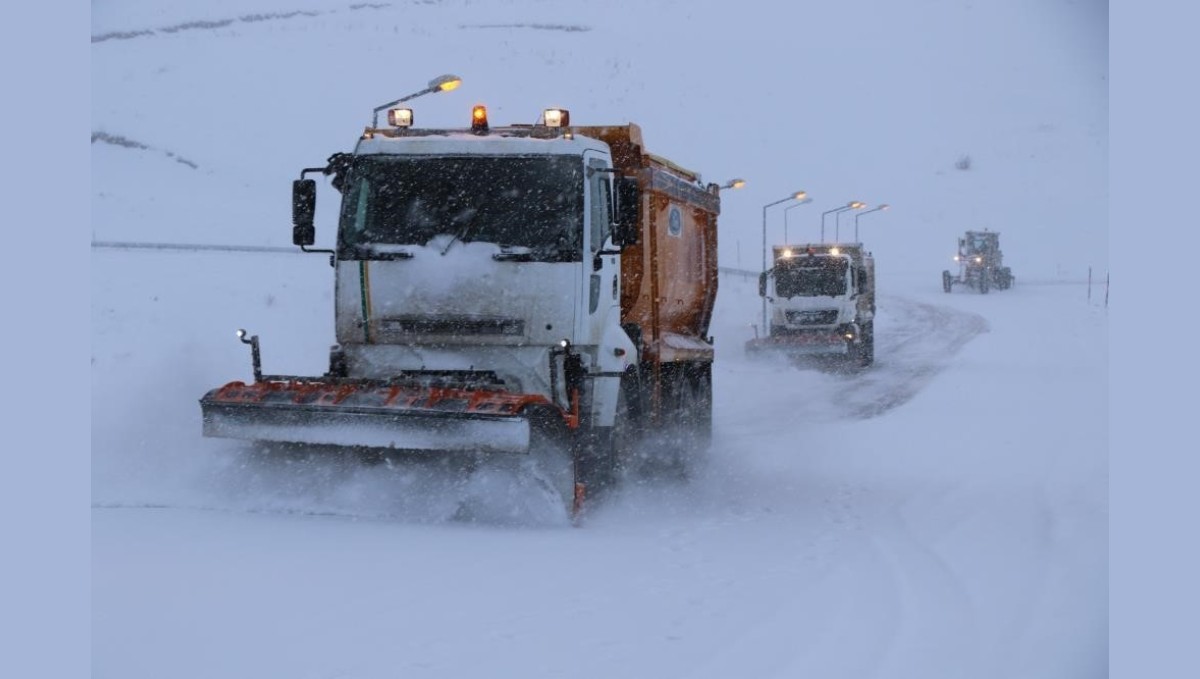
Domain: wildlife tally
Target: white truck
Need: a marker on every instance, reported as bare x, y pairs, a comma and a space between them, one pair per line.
500, 286
820, 301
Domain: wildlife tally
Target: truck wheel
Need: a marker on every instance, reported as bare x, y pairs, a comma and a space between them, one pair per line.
867, 355
861, 354
601, 452
596, 460
947, 281
687, 414
702, 416
983, 282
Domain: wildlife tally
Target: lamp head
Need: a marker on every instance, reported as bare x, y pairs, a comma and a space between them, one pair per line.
445, 83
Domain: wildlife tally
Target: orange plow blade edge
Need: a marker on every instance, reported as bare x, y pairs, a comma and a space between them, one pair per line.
372, 414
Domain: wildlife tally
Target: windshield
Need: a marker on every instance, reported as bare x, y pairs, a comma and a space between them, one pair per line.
533, 202
811, 277
979, 243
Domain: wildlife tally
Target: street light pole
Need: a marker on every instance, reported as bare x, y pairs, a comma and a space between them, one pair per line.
848, 206
798, 195
856, 216
837, 221
442, 83
785, 216
829, 212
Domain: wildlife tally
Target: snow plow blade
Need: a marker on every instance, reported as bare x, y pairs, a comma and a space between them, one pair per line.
827, 344
373, 414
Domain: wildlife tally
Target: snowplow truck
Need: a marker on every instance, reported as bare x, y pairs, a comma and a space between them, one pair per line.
500, 285
980, 264
820, 300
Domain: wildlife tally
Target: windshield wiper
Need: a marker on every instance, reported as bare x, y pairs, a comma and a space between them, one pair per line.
461, 235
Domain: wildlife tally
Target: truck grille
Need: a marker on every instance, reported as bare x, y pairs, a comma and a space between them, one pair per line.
819, 317
455, 326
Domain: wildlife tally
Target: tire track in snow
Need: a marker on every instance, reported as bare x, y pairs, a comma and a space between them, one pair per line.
942, 593
934, 602
847, 593
911, 350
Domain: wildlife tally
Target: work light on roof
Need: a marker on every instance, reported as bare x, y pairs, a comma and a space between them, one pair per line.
556, 117
400, 117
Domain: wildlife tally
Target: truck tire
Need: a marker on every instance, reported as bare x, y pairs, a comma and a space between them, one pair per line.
947, 281
867, 357
984, 282
596, 460
686, 417
601, 452
702, 405
861, 354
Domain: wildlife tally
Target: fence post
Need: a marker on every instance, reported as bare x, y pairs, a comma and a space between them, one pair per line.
1106, 278
1089, 285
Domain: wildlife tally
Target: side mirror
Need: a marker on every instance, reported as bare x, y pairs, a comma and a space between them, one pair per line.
625, 231
304, 207
762, 284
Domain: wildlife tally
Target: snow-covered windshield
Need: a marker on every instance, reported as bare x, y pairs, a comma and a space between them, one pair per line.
811, 277
534, 202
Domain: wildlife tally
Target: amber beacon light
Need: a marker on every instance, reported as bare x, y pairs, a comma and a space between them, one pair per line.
479, 120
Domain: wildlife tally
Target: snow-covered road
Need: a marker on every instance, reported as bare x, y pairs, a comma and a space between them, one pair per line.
942, 515
958, 530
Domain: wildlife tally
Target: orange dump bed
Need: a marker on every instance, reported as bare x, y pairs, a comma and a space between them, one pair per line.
669, 278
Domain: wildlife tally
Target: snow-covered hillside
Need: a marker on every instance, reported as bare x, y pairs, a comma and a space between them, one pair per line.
943, 514
855, 100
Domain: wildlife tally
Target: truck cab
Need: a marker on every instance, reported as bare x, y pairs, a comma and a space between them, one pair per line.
820, 300
481, 255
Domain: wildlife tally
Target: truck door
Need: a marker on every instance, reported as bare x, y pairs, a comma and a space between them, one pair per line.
601, 271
